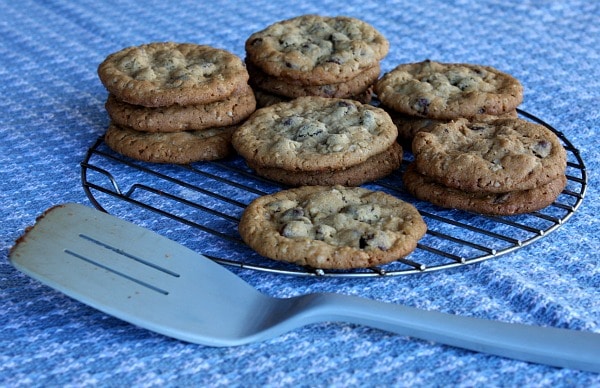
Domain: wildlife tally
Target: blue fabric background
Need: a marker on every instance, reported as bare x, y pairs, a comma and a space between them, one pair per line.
52, 110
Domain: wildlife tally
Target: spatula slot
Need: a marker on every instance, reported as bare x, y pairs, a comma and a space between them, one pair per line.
128, 255
114, 271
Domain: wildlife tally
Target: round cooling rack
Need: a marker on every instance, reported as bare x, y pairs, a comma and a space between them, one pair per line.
199, 205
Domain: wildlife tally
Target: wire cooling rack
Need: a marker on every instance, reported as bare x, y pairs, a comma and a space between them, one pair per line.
204, 201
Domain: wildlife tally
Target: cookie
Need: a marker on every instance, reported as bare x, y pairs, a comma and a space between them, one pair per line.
264, 98
168, 73
332, 227
291, 88
175, 118
314, 134
177, 147
376, 167
495, 156
448, 90
409, 126
509, 203
316, 50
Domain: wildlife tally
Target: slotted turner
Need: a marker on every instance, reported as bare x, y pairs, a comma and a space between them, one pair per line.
150, 281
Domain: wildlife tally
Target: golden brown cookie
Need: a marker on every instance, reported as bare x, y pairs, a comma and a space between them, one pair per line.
494, 156
168, 73
264, 98
314, 134
175, 118
376, 167
509, 203
332, 227
448, 90
356, 86
177, 147
409, 126
316, 50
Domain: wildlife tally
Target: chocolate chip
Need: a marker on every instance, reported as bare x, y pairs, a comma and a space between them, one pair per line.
305, 48
422, 106
476, 127
375, 240
293, 214
337, 61
307, 131
362, 242
542, 148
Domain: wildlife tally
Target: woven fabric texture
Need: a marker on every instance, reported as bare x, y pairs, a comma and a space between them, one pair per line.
52, 111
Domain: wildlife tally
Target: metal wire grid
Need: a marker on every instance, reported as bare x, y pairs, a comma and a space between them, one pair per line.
209, 197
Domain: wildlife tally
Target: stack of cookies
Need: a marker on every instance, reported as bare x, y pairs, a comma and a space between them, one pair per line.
419, 95
175, 102
490, 166
319, 141
311, 55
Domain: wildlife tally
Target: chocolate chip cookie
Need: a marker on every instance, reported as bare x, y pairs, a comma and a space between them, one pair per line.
495, 156
377, 166
509, 203
167, 73
175, 118
293, 88
177, 147
313, 133
448, 90
316, 50
409, 126
332, 227
319, 136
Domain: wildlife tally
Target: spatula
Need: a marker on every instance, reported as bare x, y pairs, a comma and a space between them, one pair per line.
150, 281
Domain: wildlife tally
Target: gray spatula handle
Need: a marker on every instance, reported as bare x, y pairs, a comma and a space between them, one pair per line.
545, 345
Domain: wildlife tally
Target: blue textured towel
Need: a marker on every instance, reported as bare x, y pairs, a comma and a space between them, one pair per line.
52, 111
